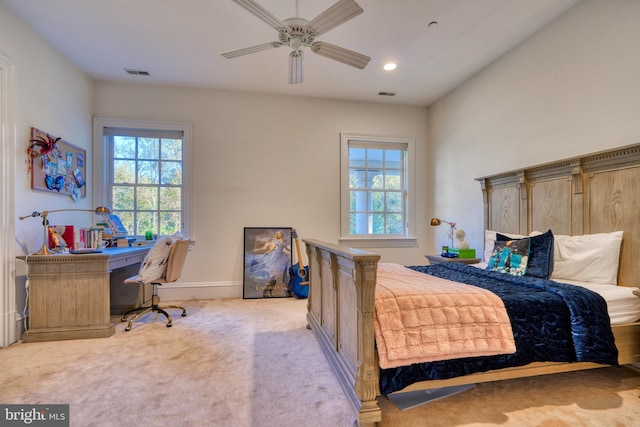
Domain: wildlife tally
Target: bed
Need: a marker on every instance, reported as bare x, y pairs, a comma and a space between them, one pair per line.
587, 197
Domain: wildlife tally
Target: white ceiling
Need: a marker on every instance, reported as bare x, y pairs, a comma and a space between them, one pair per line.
179, 41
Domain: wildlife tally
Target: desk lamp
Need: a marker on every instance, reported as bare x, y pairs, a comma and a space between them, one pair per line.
44, 250
437, 221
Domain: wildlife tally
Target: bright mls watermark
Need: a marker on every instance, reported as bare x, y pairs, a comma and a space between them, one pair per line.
34, 415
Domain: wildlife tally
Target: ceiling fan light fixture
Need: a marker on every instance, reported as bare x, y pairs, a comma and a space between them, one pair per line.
390, 66
296, 43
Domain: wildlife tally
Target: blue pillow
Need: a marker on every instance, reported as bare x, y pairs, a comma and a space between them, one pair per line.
510, 256
540, 254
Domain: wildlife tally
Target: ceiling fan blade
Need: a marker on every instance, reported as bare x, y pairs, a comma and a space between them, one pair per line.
261, 13
340, 54
340, 12
296, 74
252, 49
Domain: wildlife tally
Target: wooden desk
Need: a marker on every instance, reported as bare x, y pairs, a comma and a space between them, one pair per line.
69, 295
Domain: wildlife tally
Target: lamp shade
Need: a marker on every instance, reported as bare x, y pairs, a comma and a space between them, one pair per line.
437, 221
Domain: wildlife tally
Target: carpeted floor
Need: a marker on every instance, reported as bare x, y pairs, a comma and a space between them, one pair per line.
245, 363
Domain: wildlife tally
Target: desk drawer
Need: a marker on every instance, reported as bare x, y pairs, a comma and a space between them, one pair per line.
124, 261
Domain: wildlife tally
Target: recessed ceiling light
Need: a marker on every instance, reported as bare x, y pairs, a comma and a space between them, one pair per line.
390, 66
433, 24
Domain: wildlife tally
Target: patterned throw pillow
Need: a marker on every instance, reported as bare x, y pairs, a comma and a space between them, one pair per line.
540, 254
510, 257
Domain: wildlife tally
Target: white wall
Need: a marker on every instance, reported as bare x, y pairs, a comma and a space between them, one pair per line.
266, 161
257, 160
262, 160
53, 95
572, 89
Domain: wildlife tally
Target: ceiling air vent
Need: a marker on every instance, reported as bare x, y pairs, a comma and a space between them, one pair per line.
137, 72
386, 93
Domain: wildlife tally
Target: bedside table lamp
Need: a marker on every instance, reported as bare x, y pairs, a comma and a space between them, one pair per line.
437, 221
44, 250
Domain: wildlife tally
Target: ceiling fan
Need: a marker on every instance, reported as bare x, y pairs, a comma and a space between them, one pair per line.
299, 33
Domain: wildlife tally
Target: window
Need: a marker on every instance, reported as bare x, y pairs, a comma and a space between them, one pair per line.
145, 178
376, 185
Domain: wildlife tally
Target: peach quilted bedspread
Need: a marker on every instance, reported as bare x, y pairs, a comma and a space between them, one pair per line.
422, 318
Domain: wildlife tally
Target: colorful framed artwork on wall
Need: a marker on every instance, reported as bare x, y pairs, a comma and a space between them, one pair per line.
267, 258
56, 166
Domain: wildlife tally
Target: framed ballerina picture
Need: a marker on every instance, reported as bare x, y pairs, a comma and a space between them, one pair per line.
267, 258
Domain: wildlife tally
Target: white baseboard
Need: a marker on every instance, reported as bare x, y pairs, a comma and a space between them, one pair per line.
19, 325
183, 291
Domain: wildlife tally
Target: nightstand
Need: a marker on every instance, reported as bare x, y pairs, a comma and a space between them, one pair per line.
437, 259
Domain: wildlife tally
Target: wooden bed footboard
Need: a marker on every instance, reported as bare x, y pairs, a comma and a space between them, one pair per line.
341, 315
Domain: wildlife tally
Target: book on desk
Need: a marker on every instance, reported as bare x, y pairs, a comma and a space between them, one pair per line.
76, 238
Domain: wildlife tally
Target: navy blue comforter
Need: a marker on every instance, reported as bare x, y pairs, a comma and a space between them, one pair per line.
552, 322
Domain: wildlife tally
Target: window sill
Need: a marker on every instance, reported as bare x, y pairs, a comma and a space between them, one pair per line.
382, 242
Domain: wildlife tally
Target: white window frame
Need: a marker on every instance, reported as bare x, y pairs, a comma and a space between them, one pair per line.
377, 240
101, 156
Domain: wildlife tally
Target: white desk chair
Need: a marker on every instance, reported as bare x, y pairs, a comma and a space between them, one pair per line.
166, 258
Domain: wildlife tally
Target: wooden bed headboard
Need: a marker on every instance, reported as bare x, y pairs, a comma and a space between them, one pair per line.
594, 193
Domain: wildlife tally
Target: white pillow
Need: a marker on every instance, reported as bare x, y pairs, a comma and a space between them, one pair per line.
591, 258
154, 265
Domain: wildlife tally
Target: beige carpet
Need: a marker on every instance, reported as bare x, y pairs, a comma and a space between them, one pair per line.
242, 363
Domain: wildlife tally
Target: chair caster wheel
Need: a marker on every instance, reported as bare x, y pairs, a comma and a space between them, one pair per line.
184, 314
169, 325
